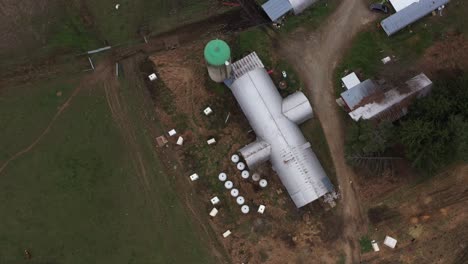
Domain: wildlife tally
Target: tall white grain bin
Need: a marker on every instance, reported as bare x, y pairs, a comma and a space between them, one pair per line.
218, 60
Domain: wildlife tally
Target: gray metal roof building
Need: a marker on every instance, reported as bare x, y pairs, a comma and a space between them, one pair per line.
410, 14
355, 95
275, 9
279, 140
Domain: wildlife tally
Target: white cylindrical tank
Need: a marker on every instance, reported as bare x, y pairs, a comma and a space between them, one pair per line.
245, 209
235, 158
241, 166
245, 174
240, 200
256, 177
263, 183
222, 176
234, 192
228, 185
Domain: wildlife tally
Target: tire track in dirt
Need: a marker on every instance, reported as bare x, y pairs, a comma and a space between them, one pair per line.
120, 113
85, 82
315, 56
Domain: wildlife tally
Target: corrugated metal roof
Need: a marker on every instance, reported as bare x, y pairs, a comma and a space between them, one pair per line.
275, 9
355, 95
419, 84
300, 5
410, 14
401, 4
290, 154
246, 64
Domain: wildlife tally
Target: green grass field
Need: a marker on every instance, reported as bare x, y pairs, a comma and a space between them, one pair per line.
75, 197
71, 28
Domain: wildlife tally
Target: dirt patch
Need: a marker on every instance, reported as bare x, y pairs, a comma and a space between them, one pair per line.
449, 54
428, 219
283, 234
320, 53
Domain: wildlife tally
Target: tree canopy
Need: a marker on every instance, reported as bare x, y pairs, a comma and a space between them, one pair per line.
435, 132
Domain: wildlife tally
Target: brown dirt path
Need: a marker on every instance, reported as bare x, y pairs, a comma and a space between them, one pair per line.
315, 56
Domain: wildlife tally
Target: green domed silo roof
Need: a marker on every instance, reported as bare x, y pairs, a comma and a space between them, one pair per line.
217, 52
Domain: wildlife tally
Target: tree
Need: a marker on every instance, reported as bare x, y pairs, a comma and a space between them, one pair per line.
435, 133
366, 142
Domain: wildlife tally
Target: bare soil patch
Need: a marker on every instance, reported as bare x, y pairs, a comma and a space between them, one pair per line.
283, 234
449, 54
428, 219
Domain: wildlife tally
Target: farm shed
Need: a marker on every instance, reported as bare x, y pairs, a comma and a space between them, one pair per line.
410, 14
279, 140
396, 101
398, 5
275, 9
355, 96
350, 80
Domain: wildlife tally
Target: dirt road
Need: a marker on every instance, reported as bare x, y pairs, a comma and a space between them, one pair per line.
315, 56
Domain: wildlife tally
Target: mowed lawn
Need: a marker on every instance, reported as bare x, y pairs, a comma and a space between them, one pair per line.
75, 197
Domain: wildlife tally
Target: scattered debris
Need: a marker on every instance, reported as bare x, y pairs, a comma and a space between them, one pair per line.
161, 141
235, 158
245, 174
283, 85
390, 242
222, 176
213, 212
180, 141
285, 75
194, 177
153, 77
245, 209
386, 60
256, 177
27, 254
240, 200
208, 111
211, 141
172, 133
215, 200
261, 209
227, 233
228, 185
227, 118
263, 183
241, 166
375, 246
234, 193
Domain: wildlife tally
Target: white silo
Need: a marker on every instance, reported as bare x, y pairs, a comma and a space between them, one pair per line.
218, 59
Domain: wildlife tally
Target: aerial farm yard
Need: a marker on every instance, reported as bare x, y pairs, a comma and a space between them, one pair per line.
90, 173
